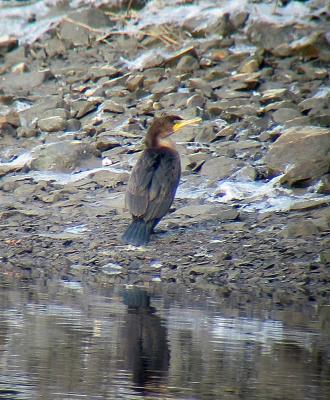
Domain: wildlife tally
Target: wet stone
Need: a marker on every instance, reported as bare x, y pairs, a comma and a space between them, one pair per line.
73, 125
104, 143
52, 124
187, 64
206, 134
12, 118
164, 86
300, 229
26, 81
56, 112
19, 68
247, 173
112, 106
273, 94
279, 105
223, 213
134, 82
301, 153
324, 184
55, 47
7, 43
284, 114
79, 108
249, 66
65, 156
25, 132
220, 167
196, 101
201, 86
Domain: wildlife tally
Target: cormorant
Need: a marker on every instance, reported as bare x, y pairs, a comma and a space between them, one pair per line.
154, 179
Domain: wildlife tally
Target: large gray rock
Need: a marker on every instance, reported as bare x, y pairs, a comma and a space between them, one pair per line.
29, 80
64, 156
52, 124
223, 213
300, 153
220, 167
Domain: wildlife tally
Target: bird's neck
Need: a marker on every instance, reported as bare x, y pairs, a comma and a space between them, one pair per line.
155, 142
166, 142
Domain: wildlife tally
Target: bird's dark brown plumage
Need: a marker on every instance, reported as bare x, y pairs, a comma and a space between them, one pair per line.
153, 181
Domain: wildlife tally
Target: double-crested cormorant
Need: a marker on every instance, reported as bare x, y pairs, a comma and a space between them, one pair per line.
154, 179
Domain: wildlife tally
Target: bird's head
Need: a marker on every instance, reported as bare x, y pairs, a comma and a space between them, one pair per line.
164, 126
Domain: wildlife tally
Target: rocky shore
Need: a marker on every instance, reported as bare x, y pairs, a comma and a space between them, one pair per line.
81, 82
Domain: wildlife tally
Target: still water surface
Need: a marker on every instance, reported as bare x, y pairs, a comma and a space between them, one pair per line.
62, 340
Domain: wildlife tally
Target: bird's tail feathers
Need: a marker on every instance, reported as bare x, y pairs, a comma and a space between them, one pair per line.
137, 234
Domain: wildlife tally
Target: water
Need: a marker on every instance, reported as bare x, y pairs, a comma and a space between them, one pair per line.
64, 340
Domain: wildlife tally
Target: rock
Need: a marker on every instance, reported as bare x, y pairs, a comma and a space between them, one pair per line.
77, 34
112, 106
227, 131
25, 190
19, 68
12, 82
65, 156
55, 47
92, 17
306, 46
134, 82
310, 103
201, 86
56, 112
17, 164
187, 64
278, 105
30, 115
73, 125
273, 94
299, 229
205, 134
249, 66
310, 203
284, 114
112, 269
81, 107
324, 185
12, 118
196, 101
195, 161
247, 173
163, 87
108, 178
7, 43
238, 18
246, 80
298, 121
325, 257
95, 73
202, 26
220, 167
223, 213
25, 132
16, 56
105, 143
52, 124
300, 153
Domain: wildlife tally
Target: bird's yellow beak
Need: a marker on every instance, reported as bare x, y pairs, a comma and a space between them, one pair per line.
181, 124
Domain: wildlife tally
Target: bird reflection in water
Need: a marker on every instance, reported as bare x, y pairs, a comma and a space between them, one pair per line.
144, 341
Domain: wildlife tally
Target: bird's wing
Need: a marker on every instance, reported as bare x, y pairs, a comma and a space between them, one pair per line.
153, 184
163, 186
137, 194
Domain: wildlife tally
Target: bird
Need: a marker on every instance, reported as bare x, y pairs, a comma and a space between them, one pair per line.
154, 179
